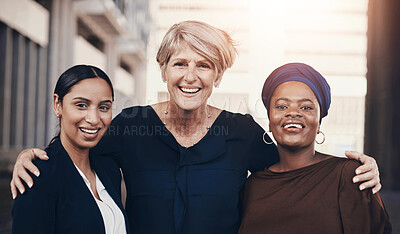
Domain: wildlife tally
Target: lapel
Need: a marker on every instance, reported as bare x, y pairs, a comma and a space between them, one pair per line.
75, 184
99, 167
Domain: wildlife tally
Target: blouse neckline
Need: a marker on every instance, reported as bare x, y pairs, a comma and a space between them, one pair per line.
301, 169
160, 123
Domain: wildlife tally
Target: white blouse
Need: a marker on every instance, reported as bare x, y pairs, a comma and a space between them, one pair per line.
113, 217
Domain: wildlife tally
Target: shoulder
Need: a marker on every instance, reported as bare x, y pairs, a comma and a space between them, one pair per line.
134, 114
107, 163
130, 112
344, 166
238, 119
346, 169
349, 170
348, 166
49, 171
49, 167
127, 116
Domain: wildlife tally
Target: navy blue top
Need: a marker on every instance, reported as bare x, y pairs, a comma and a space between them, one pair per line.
60, 202
172, 189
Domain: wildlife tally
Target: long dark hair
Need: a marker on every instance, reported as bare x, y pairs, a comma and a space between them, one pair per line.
73, 76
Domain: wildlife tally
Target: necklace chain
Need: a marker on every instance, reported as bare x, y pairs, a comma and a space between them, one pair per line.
165, 117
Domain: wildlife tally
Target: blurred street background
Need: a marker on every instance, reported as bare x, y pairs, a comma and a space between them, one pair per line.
354, 44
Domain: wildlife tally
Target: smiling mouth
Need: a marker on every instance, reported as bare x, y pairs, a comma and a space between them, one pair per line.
187, 90
89, 131
293, 125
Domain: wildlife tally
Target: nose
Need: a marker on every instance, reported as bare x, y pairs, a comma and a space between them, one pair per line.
190, 75
92, 116
293, 112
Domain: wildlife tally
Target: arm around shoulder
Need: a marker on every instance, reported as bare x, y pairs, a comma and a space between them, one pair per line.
360, 211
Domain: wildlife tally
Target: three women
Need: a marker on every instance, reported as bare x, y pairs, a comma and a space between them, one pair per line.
184, 175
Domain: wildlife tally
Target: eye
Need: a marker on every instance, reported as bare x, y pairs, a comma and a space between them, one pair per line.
179, 64
204, 66
281, 107
307, 108
104, 108
82, 105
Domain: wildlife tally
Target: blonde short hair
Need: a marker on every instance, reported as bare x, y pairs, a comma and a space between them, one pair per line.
210, 42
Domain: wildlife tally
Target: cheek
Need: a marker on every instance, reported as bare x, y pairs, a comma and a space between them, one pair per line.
274, 119
313, 119
106, 118
71, 117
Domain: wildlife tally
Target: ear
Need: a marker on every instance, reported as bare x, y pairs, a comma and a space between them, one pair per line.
218, 79
163, 77
57, 106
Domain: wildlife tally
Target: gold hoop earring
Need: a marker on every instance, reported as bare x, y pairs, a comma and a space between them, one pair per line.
323, 140
267, 142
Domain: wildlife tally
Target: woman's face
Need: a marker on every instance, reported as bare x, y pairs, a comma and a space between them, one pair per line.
294, 115
85, 113
190, 79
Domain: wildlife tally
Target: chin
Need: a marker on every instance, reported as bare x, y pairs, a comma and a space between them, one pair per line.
85, 144
189, 105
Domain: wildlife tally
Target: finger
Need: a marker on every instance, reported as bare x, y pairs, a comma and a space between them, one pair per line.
39, 153
377, 188
13, 189
368, 184
353, 154
28, 165
368, 162
364, 159
364, 177
365, 168
23, 175
19, 185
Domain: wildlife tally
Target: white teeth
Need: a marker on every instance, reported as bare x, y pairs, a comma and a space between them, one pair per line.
89, 130
292, 126
189, 90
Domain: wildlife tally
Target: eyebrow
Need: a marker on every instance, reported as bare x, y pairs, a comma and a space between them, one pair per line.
185, 59
87, 100
301, 100
81, 98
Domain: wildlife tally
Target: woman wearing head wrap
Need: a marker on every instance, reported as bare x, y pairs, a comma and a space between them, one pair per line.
306, 191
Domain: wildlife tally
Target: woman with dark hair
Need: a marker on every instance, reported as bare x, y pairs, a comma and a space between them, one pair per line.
306, 191
77, 192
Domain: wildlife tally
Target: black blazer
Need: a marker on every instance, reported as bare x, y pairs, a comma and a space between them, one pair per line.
59, 201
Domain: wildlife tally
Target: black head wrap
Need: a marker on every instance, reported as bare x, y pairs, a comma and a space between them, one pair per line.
298, 72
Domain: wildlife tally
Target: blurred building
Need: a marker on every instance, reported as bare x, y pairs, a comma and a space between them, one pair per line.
41, 39
329, 35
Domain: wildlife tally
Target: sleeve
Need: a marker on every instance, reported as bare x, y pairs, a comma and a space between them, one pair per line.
261, 155
360, 211
111, 144
34, 211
